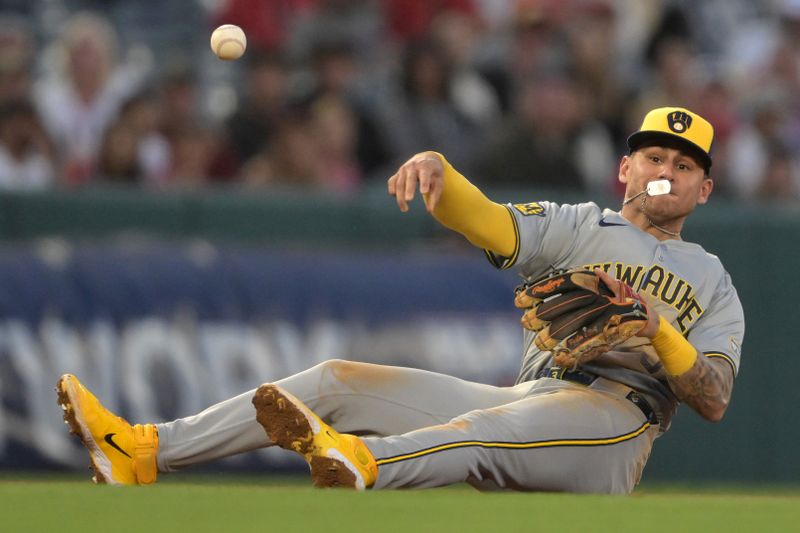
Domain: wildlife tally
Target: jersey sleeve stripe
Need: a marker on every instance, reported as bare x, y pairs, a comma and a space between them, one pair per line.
513, 259
504, 263
493, 259
515, 445
721, 355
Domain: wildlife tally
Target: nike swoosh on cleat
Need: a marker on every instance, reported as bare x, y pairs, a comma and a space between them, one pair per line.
606, 224
113, 444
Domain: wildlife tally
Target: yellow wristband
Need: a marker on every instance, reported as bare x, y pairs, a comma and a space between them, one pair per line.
676, 353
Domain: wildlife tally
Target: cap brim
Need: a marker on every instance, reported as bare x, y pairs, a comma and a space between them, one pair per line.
640, 138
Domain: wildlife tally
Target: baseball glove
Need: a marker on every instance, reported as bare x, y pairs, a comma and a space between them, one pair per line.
577, 316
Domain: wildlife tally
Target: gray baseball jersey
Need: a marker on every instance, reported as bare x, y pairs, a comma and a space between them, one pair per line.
544, 433
680, 280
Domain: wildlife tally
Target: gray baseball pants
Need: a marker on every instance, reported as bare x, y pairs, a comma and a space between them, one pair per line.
430, 429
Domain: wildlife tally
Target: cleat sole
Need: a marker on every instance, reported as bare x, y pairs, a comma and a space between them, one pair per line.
285, 424
75, 429
288, 427
331, 473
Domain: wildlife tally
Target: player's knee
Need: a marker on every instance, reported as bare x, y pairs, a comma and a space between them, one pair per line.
360, 376
482, 421
337, 369
334, 366
460, 423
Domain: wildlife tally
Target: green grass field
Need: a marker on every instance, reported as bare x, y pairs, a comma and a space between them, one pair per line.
194, 503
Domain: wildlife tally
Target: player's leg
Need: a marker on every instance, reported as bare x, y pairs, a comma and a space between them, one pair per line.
353, 397
561, 437
356, 397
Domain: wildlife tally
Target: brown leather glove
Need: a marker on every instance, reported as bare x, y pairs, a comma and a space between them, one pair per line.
577, 317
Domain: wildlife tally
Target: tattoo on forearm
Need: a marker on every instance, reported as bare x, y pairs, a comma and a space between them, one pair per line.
706, 387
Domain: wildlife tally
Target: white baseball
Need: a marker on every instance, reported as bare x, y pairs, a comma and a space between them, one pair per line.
228, 42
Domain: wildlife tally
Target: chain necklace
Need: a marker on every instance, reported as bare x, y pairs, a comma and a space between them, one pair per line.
643, 194
653, 224
663, 230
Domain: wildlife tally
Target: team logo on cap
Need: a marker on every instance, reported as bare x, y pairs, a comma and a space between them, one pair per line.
679, 121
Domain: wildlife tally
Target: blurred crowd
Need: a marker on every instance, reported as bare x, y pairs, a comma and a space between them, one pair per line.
334, 94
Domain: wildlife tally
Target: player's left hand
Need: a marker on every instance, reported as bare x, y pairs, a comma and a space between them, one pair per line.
426, 171
622, 291
580, 314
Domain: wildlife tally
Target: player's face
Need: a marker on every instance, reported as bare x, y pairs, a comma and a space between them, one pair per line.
689, 185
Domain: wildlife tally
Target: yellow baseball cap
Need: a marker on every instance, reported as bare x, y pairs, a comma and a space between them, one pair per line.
676, 123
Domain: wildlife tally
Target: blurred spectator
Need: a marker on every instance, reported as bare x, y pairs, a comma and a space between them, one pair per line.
458, 34
154, 28
535, 44
591, 34
25, 154
539, 36
550, 141
756, 35
178, 87
334, 128
410, 20
289, 159
118, 161
336, 72
675, 73
495, 14
172, 127
192, 152
134, 149
784, 69
635, 23
16, 60
718, 105
265, 101
267, 23
715, 24
759, 149
676, 81
784, 74
780, 181
79, 103
379, 80
200, 156
357, 24
422, 115
143, 113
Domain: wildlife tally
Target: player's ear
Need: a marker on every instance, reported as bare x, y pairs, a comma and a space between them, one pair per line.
705, 190
624, 168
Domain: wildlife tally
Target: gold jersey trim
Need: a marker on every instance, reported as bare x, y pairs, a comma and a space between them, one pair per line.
724, 356
504, 263
558, 443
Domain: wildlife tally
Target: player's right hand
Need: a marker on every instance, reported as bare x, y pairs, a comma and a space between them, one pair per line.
426, 171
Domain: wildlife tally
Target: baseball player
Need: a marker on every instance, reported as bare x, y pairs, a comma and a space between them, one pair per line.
623, 320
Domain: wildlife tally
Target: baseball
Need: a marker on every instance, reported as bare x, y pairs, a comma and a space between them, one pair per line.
228, 42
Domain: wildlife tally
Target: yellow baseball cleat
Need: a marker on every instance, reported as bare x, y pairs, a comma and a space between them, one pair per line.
120, 454
336, 459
